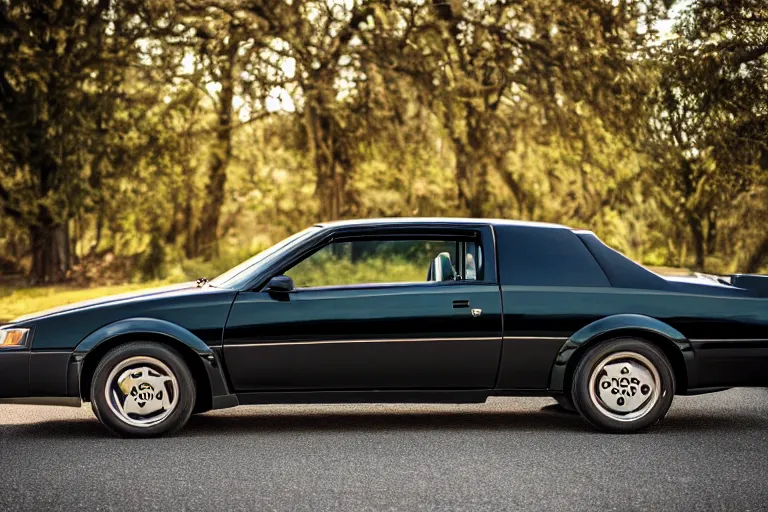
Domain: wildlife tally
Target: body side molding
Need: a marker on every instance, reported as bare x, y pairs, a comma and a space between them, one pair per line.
62, 401
619, 325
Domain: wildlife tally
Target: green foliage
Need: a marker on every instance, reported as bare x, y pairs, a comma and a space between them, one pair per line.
369, 262
708, 137
329, 271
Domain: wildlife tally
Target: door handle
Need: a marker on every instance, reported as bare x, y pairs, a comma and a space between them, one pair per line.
460, 304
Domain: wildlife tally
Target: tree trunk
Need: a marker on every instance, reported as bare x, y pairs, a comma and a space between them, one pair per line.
176, 226
50, 253
49, 236
472, 162
326, 179
712, 233
190, 247
471, 181
206, 236
758, 257
330, 178
697, 238
463, 171
479, 204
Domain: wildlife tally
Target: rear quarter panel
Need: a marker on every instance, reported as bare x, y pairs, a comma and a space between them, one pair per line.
552, 287
538, 321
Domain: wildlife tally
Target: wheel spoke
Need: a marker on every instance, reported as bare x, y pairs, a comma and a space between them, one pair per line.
142, 391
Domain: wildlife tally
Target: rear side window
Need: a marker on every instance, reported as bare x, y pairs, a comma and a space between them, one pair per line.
544, 256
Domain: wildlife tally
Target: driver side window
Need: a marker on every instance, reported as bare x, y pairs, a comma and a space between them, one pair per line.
358, 262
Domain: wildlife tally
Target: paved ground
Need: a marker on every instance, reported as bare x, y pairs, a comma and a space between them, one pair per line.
509, 454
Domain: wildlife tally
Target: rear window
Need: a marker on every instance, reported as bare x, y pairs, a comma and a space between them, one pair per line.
544, 256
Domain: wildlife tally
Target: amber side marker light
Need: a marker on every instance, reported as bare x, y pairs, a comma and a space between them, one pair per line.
13, 337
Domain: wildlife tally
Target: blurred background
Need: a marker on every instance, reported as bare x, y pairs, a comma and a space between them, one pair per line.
157, 141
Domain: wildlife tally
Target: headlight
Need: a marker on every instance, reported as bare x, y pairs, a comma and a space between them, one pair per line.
13, 337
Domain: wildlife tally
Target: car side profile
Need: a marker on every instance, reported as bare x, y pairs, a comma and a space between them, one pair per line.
400, 310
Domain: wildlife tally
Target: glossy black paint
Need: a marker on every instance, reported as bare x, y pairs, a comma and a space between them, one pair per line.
435, 396
526, 362
200, 311
677, 347
48, 373
548, 294
184, 316
733, 362
14, 369
280, 284
379, 337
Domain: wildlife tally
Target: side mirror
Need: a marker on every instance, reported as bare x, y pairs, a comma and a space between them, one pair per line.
280, 284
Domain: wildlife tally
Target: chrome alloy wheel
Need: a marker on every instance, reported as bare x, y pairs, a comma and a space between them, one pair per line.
625, 386
142, 391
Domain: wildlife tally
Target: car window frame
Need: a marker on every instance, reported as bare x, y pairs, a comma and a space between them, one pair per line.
394, 232
373, 238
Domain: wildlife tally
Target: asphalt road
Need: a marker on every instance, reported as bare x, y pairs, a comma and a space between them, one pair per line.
509, 454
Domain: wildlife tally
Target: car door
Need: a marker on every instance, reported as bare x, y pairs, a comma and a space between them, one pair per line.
334, 332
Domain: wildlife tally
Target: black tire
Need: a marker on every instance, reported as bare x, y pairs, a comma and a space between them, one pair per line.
599, 414
565, 403
185, 400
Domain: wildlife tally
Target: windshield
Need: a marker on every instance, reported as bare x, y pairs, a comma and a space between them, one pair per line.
235, 276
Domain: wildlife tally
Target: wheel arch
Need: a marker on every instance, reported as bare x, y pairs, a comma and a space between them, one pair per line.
674, 344
200, 358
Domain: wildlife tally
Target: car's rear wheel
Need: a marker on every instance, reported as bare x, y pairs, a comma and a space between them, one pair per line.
623, 385
142, 389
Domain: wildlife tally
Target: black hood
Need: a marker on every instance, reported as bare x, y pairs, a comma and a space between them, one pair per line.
122, 297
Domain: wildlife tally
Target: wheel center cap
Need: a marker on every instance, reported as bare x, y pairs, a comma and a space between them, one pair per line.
624, 387
144, 391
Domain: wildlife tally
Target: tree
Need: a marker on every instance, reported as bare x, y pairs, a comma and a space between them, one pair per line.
495, 70
222, 40
322, 41
59, 60
710, 117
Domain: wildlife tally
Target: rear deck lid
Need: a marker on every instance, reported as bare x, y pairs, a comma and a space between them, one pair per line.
755, 282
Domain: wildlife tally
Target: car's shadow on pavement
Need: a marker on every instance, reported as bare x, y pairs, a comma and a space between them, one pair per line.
250, 421
512, 421
385, 421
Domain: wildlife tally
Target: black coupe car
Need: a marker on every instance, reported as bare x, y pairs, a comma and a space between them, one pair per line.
400, 310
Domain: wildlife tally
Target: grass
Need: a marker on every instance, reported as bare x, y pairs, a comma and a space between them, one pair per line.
338, 272
15, 302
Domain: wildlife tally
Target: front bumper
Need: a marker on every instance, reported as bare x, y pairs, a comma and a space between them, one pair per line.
14, 373
36, 377
64, 401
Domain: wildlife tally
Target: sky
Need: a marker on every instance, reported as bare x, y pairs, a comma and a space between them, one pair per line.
665, 27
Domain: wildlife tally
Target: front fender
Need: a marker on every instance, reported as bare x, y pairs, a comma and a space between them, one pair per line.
623, 325
142, 326
181, 337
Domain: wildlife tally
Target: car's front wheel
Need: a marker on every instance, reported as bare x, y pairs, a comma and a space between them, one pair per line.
623, 385
142, 389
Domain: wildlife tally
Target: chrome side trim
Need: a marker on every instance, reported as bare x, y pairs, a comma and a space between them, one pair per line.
726, 339
64, 401
383, 340
563, 338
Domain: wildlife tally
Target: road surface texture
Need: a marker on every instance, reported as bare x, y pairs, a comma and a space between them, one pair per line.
509, 454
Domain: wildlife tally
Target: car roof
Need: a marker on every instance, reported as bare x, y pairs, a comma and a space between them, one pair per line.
436, 220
